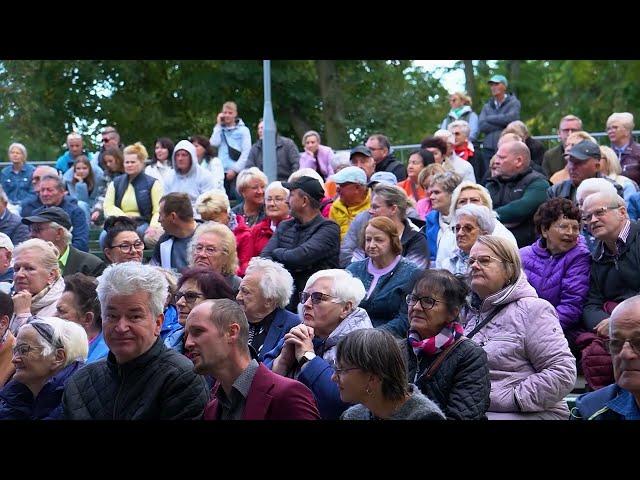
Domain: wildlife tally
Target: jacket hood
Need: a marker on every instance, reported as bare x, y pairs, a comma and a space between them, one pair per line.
511, 293
188, 146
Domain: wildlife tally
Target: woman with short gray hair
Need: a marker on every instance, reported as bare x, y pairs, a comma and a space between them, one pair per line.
47, 353
469, 222
264, 294
329, 310
250, 185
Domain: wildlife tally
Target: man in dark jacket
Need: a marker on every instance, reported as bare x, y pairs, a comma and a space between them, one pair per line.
308, 242
217, 332
141, 378
385, 161
53, 225
553, 160
10, 223
53, 194
517, 191
584, 162
621, 400
497, 113
287, 155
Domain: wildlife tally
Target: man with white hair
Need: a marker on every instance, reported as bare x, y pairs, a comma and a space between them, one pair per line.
586, 188
263, 296
619, 128
141, 378
517, 190
330, 311
620, 401
54, 225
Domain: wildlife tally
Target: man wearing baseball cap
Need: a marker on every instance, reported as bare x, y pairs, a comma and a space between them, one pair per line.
308, 242
500, 110
360, 156
353, 197
583, 161
53, 224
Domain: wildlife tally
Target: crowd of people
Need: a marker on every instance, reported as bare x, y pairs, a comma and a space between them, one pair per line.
475, 282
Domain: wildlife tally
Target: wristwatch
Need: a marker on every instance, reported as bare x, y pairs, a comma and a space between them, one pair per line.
306, 357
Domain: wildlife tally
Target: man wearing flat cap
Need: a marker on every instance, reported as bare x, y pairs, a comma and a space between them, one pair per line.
583, 161
308, 242
53, 225
499, 111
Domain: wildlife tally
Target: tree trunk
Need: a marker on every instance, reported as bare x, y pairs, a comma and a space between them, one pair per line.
514, 75
470, 79
335, 134
300, 126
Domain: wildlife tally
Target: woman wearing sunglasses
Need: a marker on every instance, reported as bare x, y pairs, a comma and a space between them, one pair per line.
531, 366
447, 367
371, 372
307, 353
47, 352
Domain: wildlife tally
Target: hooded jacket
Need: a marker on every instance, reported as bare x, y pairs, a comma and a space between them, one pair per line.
195, 182
531, 366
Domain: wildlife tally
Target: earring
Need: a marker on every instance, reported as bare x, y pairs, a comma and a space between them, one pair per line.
369, 392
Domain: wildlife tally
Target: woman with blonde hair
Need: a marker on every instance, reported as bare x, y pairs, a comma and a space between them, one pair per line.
530, 364
214, 206
461, 110
213, 246
135, 194
423, 206
250, 185
316, 156
36, 281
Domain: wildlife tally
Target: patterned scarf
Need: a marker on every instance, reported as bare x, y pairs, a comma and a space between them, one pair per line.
464, 151
433, 345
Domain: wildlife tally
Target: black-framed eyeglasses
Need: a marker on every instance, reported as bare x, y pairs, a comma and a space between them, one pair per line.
599, 212
316, 297
126, 247
340, 371
615, 345
189, 296
427, 303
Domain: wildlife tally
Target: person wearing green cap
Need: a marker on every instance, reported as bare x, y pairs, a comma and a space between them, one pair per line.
500, 110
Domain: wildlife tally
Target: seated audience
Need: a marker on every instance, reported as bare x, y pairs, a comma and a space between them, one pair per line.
418, 160
353, 197
276, 199
160, 165
440, 189
7, 339
250, 185
122, 242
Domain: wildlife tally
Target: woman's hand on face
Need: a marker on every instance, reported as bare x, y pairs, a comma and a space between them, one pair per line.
78, 177
22, 302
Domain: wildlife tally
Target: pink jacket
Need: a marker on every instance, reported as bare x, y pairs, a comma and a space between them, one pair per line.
323, 163
529, 358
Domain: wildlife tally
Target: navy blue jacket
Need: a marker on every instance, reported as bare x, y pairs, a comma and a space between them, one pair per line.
283, 321
17, 401
142, 185
11, 225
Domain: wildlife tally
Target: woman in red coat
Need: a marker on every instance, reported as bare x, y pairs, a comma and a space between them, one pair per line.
276, 209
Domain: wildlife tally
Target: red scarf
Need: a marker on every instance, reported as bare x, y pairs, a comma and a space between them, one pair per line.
464, 152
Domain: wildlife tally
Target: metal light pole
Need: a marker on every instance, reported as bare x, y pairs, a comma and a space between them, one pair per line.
269, 138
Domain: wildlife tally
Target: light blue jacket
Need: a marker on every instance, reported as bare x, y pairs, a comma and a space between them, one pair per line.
97, 349
239, 137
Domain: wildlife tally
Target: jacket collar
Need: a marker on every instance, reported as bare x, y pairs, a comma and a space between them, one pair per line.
139, 362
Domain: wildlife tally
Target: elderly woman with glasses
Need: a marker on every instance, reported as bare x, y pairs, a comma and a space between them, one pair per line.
36, 281
447, 367
196, 285
47, 352
469, 222
214, 206
531, 366
558, 264
308, 352
276, 202
386, 276
213, 246
371, 373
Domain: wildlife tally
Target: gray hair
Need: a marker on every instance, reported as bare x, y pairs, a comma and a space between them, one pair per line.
70, 335
485, 217
48, 251
447, 180
129, 277
249, 174
66, 234
463, 125
311, 133
593, 185
276, 282
20, 147
393, 195
611, 198
506, 251
3, 196
305, 172
274, 185
344, 286
445, 135
60, 185
625, 118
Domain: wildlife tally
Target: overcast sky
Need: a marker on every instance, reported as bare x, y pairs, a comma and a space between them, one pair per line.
452, 81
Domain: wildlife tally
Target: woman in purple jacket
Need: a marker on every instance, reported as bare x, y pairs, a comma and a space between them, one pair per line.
316, 156
558, 263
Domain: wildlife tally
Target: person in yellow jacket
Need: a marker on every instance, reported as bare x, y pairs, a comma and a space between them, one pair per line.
353, 197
